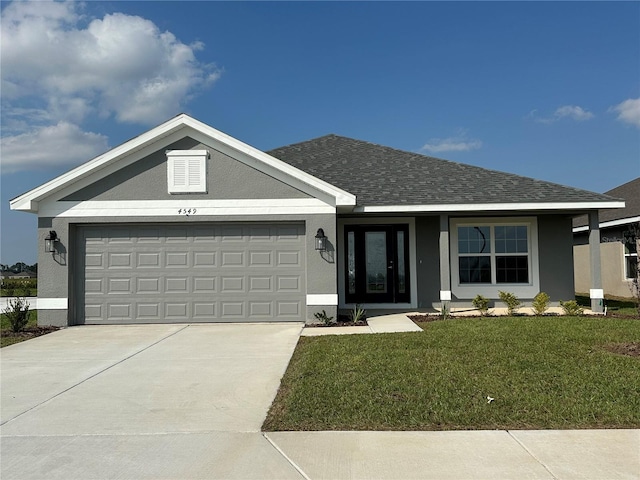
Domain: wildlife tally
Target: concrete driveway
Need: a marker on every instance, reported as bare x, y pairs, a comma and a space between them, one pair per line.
152, 401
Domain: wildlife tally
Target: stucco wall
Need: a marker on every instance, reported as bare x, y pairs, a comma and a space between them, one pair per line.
146, 179
428, 258
555, 250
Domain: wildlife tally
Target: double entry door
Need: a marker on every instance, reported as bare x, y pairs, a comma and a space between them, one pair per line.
377, 263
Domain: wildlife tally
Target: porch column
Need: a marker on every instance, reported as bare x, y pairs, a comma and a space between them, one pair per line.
445, 271
596, 293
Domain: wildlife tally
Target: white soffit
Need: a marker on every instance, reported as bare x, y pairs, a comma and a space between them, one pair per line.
172, 130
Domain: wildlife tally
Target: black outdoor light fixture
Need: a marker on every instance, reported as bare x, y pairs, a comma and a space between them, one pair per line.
321, 240
50, 242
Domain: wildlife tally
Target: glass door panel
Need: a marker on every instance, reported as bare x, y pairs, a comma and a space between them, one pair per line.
375, 247
402, 268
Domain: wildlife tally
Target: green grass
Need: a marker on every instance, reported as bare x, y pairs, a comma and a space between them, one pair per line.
7, 337
621, 306
544, 372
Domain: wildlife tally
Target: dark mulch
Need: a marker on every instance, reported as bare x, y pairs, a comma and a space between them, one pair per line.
343, 321
631, 349
9, 337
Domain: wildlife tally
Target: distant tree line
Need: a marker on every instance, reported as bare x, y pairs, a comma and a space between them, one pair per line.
19, 267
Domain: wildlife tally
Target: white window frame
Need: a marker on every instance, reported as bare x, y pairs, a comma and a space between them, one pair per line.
193, 164
490, 290
625, 257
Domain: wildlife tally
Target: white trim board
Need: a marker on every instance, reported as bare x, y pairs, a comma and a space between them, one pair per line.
610, 223
319, 299
185, 207
489, 207
36, 303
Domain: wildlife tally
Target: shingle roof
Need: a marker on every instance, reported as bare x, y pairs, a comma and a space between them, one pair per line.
630, 192
384, 176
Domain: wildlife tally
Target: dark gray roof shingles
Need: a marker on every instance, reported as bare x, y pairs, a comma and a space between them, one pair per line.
383, 176
630, 192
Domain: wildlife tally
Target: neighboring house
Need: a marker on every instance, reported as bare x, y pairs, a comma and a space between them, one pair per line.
186, 224
23, 275
618, 237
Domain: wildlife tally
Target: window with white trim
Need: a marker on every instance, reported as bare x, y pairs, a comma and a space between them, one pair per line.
187, 171
630, 256
491, 254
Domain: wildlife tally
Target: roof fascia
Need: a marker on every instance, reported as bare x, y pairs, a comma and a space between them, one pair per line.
490, 207
610, 223
250, 155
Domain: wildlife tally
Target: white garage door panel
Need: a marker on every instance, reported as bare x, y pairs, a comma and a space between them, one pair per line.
204, 273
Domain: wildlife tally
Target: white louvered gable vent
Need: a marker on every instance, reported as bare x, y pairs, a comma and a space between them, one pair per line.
187, 171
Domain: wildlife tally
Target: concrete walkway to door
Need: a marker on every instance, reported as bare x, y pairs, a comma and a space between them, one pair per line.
187, 402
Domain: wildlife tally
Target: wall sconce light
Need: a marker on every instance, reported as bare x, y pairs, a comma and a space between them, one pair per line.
50, 242
321, 240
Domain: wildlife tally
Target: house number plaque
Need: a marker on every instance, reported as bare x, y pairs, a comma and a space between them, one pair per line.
187, 211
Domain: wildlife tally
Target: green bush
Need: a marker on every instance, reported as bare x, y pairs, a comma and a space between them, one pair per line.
324, 318
482, 304
358, 314
511, 301
571, 307
540, 303
17, 311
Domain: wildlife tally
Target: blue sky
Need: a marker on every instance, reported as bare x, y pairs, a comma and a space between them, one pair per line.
549, 90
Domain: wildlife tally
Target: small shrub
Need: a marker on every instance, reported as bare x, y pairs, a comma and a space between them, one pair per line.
445, 311
324, 318
511, 301
571, 307
17, 311
540, 303
358, 314
482, 304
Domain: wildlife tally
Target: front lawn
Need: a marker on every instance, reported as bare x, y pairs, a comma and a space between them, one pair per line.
542, 372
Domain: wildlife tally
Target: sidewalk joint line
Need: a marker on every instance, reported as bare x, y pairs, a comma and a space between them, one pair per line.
532, 455
291, 462
94, 375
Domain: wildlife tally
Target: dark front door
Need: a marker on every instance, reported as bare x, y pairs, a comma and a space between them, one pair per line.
377, 263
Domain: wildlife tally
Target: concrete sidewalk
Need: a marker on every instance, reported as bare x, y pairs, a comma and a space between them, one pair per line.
464, 455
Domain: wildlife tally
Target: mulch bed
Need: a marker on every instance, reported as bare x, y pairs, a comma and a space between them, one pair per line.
27, 333
343, 321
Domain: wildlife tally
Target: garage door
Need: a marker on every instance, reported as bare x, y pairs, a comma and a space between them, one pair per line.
191, 273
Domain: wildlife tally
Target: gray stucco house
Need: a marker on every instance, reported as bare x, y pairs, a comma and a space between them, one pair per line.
187, 224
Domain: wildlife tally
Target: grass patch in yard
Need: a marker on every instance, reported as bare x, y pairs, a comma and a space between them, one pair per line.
615, 305
543, 372
7, 337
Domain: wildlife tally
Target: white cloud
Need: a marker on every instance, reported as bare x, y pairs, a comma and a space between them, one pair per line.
458, 143
60, 67
628, 111
61, 144
572, 112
